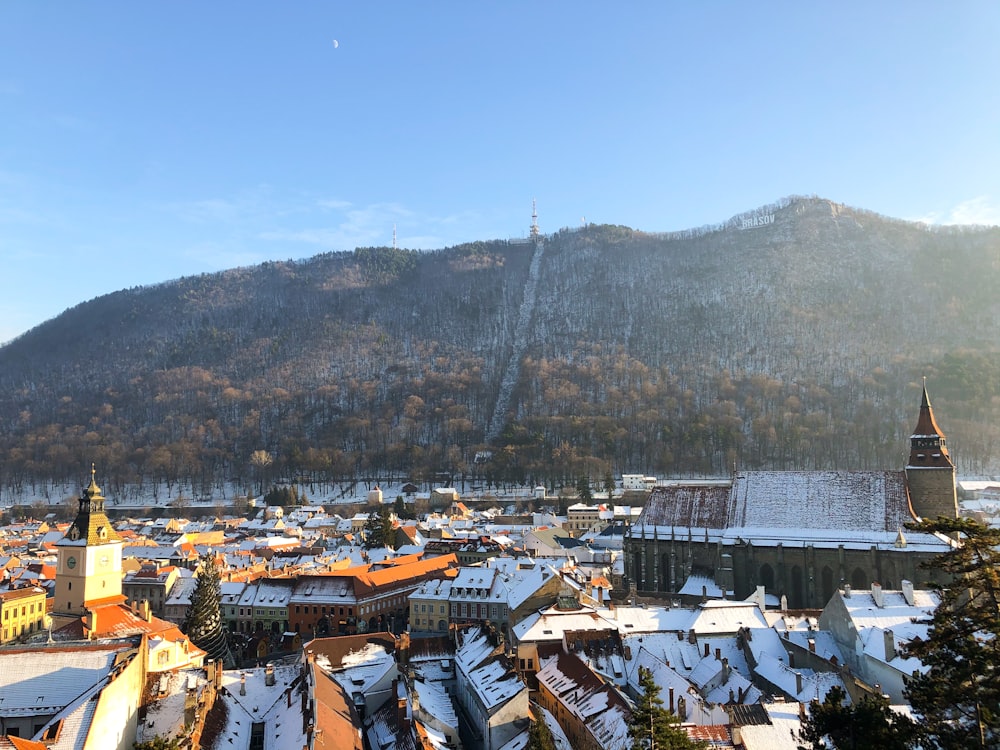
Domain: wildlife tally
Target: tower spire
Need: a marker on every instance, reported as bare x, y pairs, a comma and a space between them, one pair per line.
930, 473
927, 437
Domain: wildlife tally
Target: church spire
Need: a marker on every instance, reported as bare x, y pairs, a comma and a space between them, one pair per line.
930, 473
928, 446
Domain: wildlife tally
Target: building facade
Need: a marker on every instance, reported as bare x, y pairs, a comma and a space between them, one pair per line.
22, 612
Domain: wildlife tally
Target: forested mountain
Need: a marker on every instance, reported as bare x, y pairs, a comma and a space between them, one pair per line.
793, 336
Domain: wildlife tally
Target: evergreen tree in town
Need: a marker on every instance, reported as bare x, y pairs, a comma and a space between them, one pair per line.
203, 624
539, 735
159, 743
958, 697
378, 530
868, 724
653, 727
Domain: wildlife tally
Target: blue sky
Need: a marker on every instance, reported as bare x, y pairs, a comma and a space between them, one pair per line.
143, 141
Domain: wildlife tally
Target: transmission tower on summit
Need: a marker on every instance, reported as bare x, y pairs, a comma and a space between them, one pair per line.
534, 232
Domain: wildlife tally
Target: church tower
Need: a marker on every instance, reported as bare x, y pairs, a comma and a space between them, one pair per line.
89, 568
930, 474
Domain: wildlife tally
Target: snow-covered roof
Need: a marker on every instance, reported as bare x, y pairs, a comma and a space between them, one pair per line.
552, 623
856, 509
249, 700
41, 682
359, 671
487, 674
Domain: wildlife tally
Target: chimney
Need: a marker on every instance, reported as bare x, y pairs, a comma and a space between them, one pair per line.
682, 708
144, 611
889, 640
908, 592
671, 703
725, 672
847, 591
402, 707
707, 650
798, 684
877, 595
243, 683
718, 654
812, 645
761, 597
269, 674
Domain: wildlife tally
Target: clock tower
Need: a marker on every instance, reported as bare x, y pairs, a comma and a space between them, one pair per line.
89, 568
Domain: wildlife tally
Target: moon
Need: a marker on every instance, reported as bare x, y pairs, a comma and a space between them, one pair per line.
335, 44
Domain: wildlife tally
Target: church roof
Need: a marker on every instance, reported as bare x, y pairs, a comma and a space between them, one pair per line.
926, 424
843, 500
824, 508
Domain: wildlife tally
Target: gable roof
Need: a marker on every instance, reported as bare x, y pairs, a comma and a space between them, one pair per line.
789, 507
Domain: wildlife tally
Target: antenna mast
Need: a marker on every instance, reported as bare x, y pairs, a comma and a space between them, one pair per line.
534, 221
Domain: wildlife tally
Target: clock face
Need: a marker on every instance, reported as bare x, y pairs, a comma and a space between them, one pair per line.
104, 560
71, 562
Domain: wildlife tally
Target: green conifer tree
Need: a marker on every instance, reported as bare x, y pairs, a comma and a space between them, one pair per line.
653, 727
378, 531
539, 735
958, 697
203, 624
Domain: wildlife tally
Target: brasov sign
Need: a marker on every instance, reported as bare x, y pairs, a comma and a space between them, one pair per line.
761, 220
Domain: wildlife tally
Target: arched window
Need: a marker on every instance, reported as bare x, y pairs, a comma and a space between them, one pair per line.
797, 596
827, 582
767, 577
859, 580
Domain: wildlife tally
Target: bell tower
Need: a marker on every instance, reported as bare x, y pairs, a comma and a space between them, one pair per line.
89, 568
930, 473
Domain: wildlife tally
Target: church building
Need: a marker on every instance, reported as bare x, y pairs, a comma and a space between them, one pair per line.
799, 534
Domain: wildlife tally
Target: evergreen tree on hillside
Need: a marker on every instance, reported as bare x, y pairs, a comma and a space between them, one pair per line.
203, 624
958, 697
609, 487
653, 727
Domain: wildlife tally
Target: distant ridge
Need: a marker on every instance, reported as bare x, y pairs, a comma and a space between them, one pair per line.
789, 336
